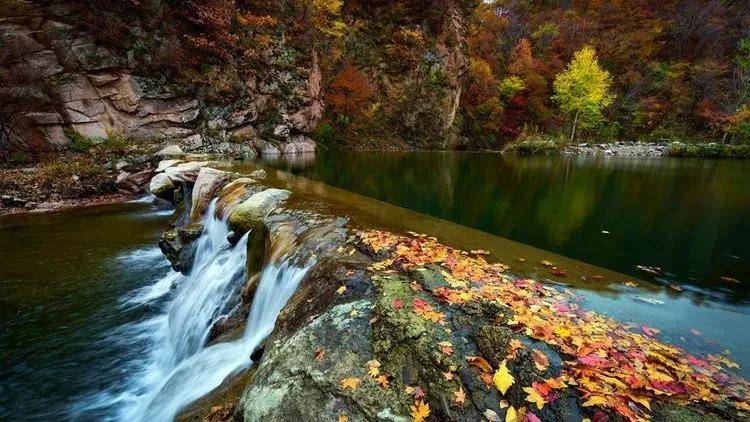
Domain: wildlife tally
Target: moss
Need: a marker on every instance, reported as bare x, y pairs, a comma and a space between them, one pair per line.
407, 345
667, 412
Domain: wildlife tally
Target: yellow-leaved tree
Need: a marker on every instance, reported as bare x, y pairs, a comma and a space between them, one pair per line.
582, 90
325, 16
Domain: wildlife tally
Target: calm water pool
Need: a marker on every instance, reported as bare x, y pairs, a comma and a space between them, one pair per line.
691, 218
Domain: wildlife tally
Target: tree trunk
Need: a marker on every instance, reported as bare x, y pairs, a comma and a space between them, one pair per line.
575, 122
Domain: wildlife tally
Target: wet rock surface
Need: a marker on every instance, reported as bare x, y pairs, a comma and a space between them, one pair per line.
178, 245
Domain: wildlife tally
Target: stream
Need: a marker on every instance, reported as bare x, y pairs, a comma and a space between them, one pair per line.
97, 326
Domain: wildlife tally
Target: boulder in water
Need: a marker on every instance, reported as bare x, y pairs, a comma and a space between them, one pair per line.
178, 245
161, 186
207, 184
255, 208
233, 193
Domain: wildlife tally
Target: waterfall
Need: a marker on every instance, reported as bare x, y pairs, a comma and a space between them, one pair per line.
179, 368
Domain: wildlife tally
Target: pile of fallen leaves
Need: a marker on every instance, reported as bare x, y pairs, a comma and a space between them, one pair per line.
611, 366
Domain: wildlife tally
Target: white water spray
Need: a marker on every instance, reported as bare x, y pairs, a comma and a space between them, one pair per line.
179, 369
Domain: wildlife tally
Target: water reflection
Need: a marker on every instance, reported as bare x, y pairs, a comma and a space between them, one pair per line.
687, 217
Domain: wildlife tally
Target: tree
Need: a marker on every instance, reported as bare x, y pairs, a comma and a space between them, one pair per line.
349, 93
583, 89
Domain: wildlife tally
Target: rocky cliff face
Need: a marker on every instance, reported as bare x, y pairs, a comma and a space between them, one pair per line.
59, 83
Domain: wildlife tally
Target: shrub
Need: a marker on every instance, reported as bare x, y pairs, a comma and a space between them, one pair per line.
78, 142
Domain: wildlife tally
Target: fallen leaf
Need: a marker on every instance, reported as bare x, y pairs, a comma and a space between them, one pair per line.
373, 368
343, 418
695, 332
340, 290
420, 411
319, 354
503, 404
513, 347
382, 379
397, 304
351, 383
510, 415
631, 284
448, 375
446, 347
540, 360
530, 417
492, 416
595, 401
460, 396
503, 379
418, 392
533, 396
479, 363
649, 331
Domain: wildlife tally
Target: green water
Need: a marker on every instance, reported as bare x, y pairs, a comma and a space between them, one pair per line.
688, 217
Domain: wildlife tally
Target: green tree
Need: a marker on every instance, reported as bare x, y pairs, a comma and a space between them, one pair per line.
583, 89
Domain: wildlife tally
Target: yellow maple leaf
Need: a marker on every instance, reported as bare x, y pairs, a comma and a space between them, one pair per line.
534, 397
382, 380
343, 418
420, 411
503, 379
595, 401
341, 290
351, 383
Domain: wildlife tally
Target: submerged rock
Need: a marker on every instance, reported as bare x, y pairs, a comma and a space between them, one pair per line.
178, 245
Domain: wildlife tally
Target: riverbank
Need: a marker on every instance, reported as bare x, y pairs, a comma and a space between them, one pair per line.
385, 324
629, 149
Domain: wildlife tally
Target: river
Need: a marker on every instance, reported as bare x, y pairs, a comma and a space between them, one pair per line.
87, 292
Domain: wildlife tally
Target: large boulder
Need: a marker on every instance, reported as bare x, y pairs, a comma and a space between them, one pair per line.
234, 193
161, 186
178, 245
186, 172
207, 184
254, 209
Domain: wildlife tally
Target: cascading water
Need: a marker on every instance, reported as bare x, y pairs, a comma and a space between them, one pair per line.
179, 369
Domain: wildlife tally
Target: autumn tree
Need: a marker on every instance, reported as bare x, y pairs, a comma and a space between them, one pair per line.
583, 89
349, 93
